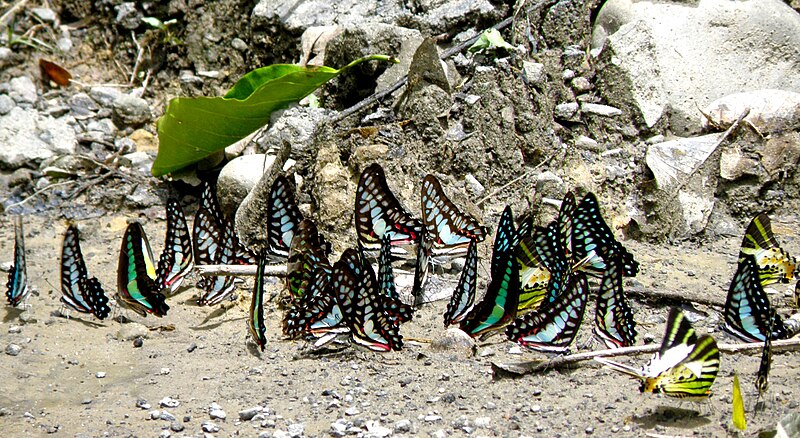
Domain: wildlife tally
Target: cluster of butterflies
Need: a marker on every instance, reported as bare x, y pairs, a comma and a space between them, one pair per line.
538, 288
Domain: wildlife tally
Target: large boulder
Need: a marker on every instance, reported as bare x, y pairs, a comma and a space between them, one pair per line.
670, 58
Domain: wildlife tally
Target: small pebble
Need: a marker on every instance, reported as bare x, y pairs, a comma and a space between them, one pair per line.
15, 329
192, 347
402, 426
209, 427
351, 411
166, 416
13, 349
100, 375
296, 430
430, 418
142, 404
169, 402
138, 342
86, 401
248, 414
176, 426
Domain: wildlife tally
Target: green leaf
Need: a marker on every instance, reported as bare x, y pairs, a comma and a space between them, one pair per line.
154, 22
491, 39
194, 128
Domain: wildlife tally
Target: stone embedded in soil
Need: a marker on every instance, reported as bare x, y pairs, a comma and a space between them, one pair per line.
13, 349
131, 331
239, 176
296, 430
248, 414
23, 90
100, 374
215, 412
142, 404
131, 111
6, 103
209, 427
169, 402
29, 137
600, 110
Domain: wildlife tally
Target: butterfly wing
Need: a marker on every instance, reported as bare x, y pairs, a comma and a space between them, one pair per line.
73, 272
593, 239
613, 318
377, 211
306, 254
176, 259
208, 228
17, 286
256, 320
533, 276
463, 298
451, 230
774, 264
283, 215
371, 326
553, 327
747, 307
499, 305
691, 377
217, 288
136, 288
389, 298
762, 378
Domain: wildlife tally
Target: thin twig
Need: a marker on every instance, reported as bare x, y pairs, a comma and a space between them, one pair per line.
681, 297
522, 368
139, 54
40, 191
239, 270
515, 180
92, 182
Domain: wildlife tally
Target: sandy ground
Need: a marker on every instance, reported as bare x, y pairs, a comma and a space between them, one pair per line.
199, 356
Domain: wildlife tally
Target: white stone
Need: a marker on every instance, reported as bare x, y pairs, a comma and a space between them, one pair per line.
28, 136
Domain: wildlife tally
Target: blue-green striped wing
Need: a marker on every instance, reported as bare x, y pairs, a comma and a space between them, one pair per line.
17, 289
136, 286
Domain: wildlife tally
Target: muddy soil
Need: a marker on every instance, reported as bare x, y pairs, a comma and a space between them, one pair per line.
200, 356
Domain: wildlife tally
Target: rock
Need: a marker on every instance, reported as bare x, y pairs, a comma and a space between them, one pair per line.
685, 171
375, 430
588, 144
23, 90
169, 402
482, 422
131, 111
789, 426
565, 22
454, 340
82, 105
734, 165
45, 14
239, 44
296, 430
771, 111
166, 416
142, 404
448, 15
533, 73
352, 411
105, 96
566, 111
6, 103
131, 331
403, 426
127, 15
100, 374
239, 176
215, 412
294, 129
13, 349
314, 41
209, 427
600, 110
677, 55
474, 187
249, 220
141, 161
332, 187
248, 414
29, 137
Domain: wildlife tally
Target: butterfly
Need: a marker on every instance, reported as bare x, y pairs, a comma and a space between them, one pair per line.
307, 252
533, 276
451, 230
389, 298
685, 366
176, 259
256, 320
553, 326
17, 286
747, 308
283, 217
214, 244
373, 324
463, 298
81, 293
613, 318
499, 305
377, 211
762, 378
774, 264
136, 273
316, 310
593, 240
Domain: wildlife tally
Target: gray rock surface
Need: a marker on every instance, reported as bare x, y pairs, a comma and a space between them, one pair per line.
131, 111
29, 137
681, 56
23, 90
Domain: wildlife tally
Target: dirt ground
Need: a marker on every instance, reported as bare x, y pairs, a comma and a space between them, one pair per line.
53, 384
